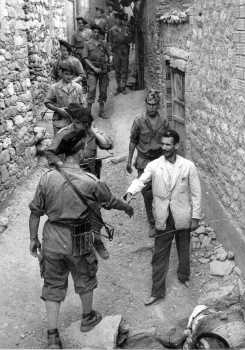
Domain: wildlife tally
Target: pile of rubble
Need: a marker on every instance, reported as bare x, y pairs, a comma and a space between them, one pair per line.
208, 250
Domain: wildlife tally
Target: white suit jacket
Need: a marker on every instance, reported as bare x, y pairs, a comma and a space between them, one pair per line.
183, 196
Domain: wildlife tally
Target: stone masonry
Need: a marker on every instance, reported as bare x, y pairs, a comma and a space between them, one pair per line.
210, 49
27, 33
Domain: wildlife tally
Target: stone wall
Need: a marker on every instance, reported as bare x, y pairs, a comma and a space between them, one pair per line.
45, 22
212, 42
26, 37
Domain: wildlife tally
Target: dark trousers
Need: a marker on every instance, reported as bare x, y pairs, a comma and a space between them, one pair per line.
92, 81
148, 198
121, 62
160, 259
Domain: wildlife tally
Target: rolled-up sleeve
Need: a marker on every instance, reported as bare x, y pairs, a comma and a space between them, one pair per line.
196, 192
104, 141
37, 205
135, 132
138, 184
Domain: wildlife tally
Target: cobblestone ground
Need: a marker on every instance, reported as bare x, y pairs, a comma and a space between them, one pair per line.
124, 280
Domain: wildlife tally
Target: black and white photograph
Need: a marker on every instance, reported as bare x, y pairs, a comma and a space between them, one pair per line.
122, 174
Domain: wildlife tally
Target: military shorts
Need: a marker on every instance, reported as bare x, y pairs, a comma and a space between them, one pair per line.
56, 269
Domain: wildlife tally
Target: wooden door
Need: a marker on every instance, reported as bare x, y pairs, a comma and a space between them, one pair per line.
70, 18
178, 106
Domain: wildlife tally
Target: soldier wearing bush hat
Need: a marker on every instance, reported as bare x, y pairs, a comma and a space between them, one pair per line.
67, 196
145, 137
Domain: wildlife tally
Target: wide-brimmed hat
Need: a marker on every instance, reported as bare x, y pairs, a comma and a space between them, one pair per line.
78, 112
65, 44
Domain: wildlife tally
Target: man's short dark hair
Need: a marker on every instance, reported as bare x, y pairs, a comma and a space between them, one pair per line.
66, 66
173, 134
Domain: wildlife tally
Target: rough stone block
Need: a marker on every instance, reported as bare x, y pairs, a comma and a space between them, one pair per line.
9, 125
103, 336
220, 297
4, 173
19, 120
4, 157
221, 268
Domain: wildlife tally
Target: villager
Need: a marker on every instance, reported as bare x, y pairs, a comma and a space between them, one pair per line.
82, 120
66, 56
145, 136
61, 94
176, 208
96, 55
67, 195
120, 38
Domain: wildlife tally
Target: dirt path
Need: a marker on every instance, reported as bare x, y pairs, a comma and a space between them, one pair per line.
124, 280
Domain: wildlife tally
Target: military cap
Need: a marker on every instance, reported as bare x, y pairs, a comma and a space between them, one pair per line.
65, 44
77, 112
82, 18
100, 9
94, 26
152, 97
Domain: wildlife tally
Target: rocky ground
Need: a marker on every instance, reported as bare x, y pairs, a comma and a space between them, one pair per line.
125, 279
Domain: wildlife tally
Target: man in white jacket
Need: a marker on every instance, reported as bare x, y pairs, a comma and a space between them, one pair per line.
176, 209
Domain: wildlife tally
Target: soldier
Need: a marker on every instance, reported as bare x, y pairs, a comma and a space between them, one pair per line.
82, 35
100, 18
67, 195
61, 94
96, 55
119, 38
66, 55
145, 136
94, 139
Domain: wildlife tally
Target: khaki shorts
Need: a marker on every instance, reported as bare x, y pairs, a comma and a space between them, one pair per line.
56, 268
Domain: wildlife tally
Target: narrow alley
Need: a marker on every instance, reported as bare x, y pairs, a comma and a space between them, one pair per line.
124, 280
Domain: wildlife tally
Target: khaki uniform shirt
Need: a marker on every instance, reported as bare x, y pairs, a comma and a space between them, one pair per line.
55, 198
146, 138
97, 52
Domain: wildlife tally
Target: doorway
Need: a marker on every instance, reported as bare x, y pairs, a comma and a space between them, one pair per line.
175, 103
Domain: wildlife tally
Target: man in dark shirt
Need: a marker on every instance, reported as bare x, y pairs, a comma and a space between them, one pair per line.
96, 55
119, 38
67, 234
145, 136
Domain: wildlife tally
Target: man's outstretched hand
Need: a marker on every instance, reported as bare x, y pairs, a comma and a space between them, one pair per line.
128, 197
34, 246
129, 210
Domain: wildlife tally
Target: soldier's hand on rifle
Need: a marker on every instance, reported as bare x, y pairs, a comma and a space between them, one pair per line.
34, 246
98, 70
129, 210
62, 112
